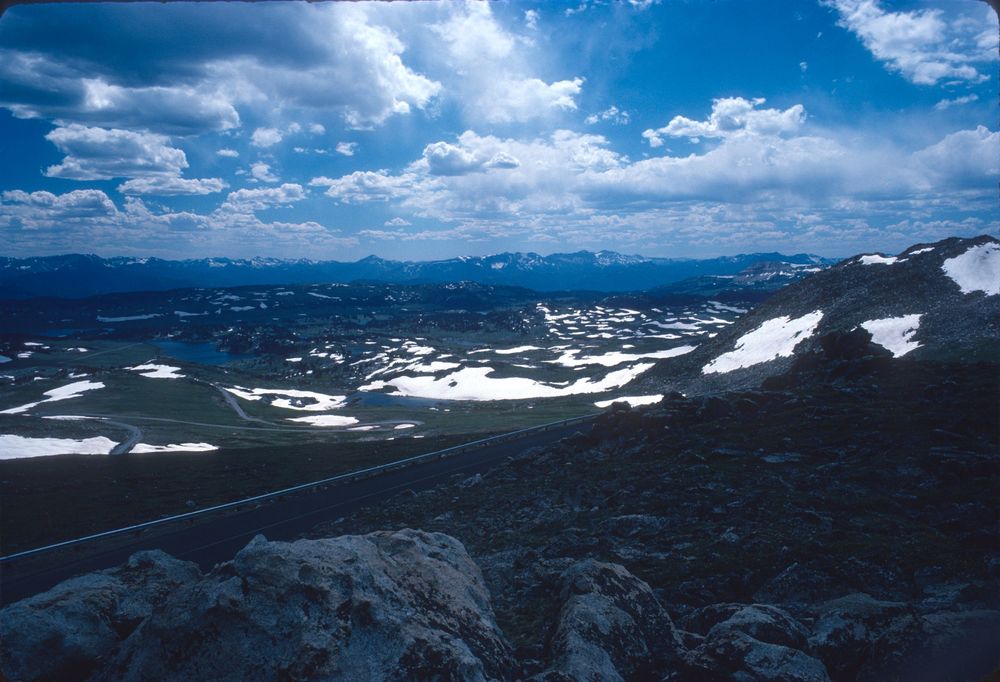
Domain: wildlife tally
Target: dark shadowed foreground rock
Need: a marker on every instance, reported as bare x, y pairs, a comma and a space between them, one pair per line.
753, 642
388, 605
67, 632
610, 628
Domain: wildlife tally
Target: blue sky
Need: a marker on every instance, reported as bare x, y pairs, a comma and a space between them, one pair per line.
431, 130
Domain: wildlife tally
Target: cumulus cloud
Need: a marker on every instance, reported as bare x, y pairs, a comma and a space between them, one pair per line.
327, 56
363, 186
397, 222
925, 46
963, 159
227, 153
266, 137
347, 148
172, 186
531, 19
732, 116
612, 114
447, 159
243, 200
42, 222
101, 154
262, 172
495, 79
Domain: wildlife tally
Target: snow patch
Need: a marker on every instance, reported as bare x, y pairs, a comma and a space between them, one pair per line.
157, 371
143, 448
325, 420
16, 447
772, 339
978, 269
895, 334
287, 398
632, 400
74, 390
474, 383
876, 259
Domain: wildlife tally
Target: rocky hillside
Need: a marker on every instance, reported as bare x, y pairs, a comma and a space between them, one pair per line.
931, 302
838, 524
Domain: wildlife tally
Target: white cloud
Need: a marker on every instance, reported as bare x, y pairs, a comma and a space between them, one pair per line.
243, 200
262, 171
967, 158
955, 102
172, 186
613, 114
334, 57
732, 116
495, 81
803, 66
925, 46
42, 222
101, 154
227, 153
397, 222
347, 148
317, 129
363, 186
447, 159
266, 137
531, 19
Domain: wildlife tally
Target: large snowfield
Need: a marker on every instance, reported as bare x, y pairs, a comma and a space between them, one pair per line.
775, 338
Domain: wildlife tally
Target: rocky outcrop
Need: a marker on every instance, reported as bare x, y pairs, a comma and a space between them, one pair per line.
755, 641
610, 627
388, 605
69, 631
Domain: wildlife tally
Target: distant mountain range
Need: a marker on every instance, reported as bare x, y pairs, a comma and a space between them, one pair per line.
77, 276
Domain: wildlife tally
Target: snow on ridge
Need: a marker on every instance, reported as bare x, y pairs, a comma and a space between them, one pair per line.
926, 249
876, 259
16, 447
774, 338
632, 400
978, 269
74, 390
895, 334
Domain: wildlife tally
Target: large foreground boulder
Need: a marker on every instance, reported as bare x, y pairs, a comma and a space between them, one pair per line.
67, 632
388, 605
610, 627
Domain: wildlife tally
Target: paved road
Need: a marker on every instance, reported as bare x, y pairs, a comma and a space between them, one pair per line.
214, 540
125, 447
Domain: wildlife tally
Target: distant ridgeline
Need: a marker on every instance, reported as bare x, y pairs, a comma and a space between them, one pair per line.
76, 276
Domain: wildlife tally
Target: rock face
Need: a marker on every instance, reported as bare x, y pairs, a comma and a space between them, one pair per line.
388, 605
755, 641
610, 627
67, 632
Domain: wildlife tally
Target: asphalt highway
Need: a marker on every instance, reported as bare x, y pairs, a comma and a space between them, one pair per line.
217, 538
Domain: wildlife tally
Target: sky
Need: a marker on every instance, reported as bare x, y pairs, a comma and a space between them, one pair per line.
428, 130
